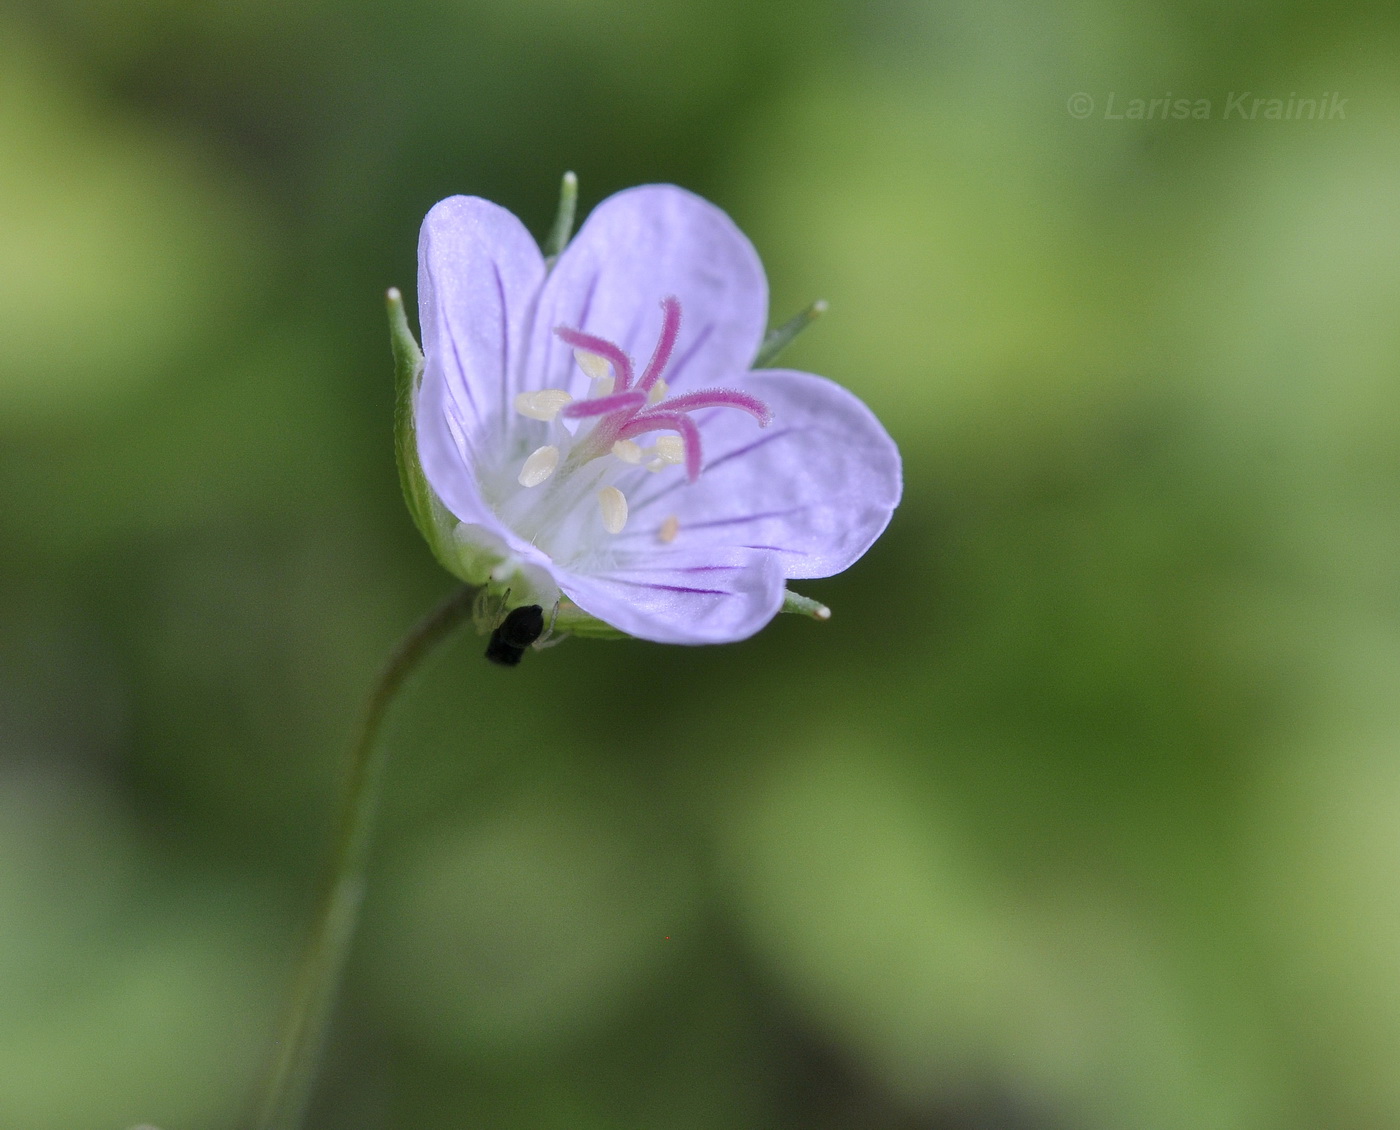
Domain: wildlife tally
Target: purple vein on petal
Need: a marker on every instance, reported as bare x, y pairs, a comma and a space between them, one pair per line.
641, 534
768, 437
462, 380
684, 359
629, 339
549, 365
669, 588
461, 435
741, 520
685, 569
588, 300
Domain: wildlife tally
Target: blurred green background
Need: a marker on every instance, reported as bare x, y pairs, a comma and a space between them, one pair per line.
1083, 810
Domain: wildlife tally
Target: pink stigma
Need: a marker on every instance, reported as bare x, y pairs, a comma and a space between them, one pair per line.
670, 330
625, 412
720, 398
602, 405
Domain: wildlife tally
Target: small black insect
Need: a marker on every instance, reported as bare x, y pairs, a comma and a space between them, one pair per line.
521, 627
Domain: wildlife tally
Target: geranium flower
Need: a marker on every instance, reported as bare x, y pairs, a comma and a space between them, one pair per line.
595, 430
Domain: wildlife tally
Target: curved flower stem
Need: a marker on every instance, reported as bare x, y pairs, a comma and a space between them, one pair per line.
313, 996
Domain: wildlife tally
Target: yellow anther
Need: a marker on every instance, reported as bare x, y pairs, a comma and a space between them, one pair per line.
670, 449
539, 466
627, 451
594, 366
542, 405
669, 529
658, 392
612, 504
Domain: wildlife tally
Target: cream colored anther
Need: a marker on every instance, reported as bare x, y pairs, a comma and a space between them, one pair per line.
669, 529
658, 392
612, 504
627, 451
597, 369
539, 466
542, 405
669, 451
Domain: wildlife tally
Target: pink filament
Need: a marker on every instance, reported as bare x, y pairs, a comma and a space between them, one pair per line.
621, 363
670, 330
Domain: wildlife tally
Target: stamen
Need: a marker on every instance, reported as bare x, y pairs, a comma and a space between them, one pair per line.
542, 405
667, 452
621, 363
594, 365
669, 529
617, 402
612, 504
597, 369
670, 449
627, 451
672, 421
539, 466
658, 392
670, 330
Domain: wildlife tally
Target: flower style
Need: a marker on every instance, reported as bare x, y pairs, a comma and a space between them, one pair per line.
671, 500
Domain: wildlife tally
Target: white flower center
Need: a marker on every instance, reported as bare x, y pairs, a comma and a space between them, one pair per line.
556, 473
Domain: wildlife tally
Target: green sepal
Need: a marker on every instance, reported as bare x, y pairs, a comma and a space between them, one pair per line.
575, 621
779, 338
805, 606
428, 513
563, 229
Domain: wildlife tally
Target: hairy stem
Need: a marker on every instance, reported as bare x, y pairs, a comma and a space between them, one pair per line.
298, 1053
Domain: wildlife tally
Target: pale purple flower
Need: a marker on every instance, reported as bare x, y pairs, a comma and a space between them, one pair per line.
595, 426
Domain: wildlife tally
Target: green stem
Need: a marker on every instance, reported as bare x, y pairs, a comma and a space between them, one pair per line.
313, 996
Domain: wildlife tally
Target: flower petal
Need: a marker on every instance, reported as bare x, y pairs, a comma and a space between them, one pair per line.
445, 445
636, 249
686, 598
479, 274
814, 489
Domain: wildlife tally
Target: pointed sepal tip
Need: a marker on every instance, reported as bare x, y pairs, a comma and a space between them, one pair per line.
805, 606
